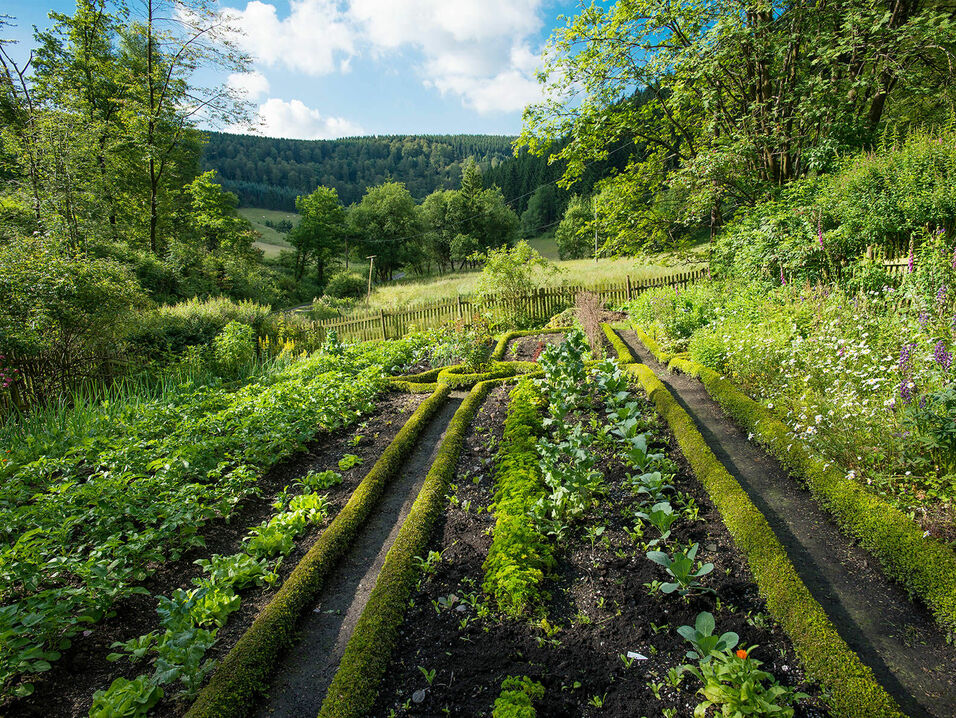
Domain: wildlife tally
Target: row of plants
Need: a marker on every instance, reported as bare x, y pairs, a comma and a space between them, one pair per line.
191, 617
247, 667
90, 506
866, 379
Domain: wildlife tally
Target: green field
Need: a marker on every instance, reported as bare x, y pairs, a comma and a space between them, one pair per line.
272, 242
415, 291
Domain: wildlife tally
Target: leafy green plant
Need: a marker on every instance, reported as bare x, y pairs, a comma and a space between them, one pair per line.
681, 568
320, 480
237, 570
517, 695
235, 348
126, 699
348, 461
661, 516
702, 637
734, 683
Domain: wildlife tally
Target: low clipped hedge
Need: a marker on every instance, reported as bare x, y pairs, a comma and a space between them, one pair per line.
519, 555
246, 668
502, 346
653, 347
924, 566
852, 689
623, 352
460, 375
355, 685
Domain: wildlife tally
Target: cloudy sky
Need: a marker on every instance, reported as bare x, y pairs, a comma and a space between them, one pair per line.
331, 68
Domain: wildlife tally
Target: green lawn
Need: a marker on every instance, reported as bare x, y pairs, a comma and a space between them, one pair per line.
272, 242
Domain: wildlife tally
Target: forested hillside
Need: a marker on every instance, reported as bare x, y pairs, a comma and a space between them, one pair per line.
270, 173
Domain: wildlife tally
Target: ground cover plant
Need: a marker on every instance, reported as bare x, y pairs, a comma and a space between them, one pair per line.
865, 378
93, 505
540, 593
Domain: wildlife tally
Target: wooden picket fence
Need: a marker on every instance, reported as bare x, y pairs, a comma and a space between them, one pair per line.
539, 305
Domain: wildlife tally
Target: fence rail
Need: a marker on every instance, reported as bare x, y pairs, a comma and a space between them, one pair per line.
541, 304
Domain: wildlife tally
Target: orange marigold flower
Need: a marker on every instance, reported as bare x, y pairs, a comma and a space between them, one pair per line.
741, 653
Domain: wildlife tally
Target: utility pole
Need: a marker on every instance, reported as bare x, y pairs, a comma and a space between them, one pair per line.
371, 262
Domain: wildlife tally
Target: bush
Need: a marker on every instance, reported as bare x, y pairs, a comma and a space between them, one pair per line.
235, 348
346, 284
708, 347
573, 235
171, 329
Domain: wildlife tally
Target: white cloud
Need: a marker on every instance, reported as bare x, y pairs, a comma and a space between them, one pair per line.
294, 119
309, 39
476, 49
251, 84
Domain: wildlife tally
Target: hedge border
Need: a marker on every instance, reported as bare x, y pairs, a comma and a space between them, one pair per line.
624, 354
367, 654
502, 346
460, 376
246, 668
853, 690
924, 566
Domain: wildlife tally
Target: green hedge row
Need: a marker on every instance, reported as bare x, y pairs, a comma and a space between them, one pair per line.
623, 352
519, 555
246, 668
461, 376
852, 689
502, 346
924, 566
654, 348
369, 649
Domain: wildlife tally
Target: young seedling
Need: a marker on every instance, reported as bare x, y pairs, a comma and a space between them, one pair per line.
681, 568
661, 516
701, 637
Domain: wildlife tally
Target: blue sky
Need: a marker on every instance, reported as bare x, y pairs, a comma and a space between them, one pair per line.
330, 68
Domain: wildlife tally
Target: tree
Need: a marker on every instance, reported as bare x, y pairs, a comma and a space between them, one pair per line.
175, 38
508, 275
736, 97
544, 208
320, 233
214, 219
575, 233
387, 224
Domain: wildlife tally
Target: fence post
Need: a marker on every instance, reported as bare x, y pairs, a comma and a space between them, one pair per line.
460, 312
627, 278
382, 317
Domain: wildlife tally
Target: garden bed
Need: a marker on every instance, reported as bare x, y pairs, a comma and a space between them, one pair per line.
455, 649
67, 689
529, 348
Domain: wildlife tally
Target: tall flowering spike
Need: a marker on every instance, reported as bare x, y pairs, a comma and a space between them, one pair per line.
783, 279
942, 356
941, 295
954, 257
923, 318
911, 267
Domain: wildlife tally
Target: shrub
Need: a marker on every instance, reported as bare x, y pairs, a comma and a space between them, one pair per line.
235, 348
346, 284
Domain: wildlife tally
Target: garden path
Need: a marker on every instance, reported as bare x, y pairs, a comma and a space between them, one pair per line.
896, 638
306, 670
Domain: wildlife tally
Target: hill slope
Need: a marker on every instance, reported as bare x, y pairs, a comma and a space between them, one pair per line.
269, 173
